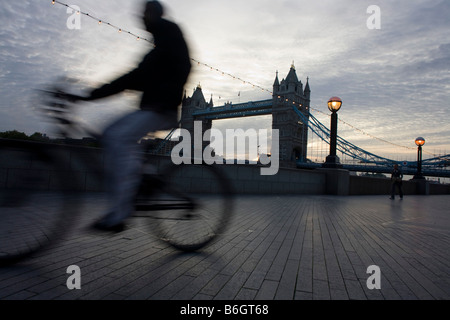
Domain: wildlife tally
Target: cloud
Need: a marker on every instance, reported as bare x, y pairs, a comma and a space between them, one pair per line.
24, 61
37, 48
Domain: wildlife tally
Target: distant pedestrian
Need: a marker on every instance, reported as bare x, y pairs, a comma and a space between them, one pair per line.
396, 179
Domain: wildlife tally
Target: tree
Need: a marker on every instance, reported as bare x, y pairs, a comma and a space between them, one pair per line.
14, 134
39, 137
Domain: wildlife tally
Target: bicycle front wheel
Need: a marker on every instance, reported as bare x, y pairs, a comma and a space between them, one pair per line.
192, 206
33, 209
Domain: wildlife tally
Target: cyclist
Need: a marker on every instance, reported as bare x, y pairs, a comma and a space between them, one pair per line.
161, 77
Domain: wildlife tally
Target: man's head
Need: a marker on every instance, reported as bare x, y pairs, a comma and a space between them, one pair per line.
153, 14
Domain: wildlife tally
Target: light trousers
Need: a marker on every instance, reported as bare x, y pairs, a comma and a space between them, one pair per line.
124, 158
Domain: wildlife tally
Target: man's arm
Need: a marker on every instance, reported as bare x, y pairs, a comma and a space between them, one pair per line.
114, 87
133, 80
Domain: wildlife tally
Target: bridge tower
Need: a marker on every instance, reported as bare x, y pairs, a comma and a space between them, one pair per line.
196, 102
293, 134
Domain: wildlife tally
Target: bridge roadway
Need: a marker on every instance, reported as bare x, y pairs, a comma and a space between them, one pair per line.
277, 247
228, 111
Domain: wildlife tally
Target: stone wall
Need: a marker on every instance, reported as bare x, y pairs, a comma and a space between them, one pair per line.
82, 168
376, 186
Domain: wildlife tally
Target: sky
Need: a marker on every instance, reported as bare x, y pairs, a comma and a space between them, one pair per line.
394, 81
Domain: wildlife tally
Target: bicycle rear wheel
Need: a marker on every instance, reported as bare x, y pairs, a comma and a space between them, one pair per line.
33, 209
191, 207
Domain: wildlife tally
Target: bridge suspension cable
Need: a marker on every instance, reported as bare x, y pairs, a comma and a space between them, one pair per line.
343, 145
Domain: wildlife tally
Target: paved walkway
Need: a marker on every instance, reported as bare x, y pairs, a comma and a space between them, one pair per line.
278, 247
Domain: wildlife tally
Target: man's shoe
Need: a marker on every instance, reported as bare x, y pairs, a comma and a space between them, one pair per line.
102, 226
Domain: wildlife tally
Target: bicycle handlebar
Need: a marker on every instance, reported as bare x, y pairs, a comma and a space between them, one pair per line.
57, 104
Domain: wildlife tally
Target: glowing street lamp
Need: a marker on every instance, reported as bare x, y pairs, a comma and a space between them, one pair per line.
419, 143
334, 104
332, 160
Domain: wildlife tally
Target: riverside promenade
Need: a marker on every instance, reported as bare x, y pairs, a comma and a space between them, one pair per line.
276, 248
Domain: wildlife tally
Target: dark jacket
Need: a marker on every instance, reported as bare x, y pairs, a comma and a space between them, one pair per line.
161, 75
396, 175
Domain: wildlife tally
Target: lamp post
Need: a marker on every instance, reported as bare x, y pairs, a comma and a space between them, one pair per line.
419, 143
332, 160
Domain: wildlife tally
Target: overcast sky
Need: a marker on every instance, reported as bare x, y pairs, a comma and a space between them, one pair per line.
394, 81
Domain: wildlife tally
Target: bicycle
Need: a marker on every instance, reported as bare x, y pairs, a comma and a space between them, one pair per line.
38, 205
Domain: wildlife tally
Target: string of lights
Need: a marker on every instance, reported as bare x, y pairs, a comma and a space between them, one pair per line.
370, 135
374, 137
212, 68
100, 22
386, 141
121, 30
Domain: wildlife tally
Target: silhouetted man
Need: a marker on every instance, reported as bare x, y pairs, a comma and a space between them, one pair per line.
161, 77
396, 179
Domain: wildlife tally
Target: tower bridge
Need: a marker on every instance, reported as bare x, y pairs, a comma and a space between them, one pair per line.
293, 134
